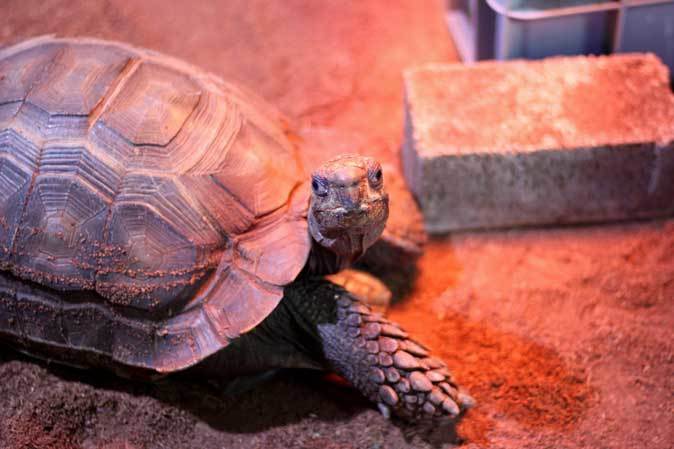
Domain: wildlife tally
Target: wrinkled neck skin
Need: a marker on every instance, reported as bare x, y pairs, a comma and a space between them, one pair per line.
330, 255
324, 261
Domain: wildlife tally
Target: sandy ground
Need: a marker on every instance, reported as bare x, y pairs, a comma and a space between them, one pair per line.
564, 336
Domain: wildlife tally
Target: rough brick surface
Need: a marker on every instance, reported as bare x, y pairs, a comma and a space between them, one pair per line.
563, 140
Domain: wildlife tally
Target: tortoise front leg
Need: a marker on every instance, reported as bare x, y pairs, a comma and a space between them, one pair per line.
375, 355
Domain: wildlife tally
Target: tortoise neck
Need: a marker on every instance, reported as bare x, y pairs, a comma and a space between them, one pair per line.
330, 255
323, 261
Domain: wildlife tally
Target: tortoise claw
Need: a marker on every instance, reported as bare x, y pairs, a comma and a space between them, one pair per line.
385, 410
466, 401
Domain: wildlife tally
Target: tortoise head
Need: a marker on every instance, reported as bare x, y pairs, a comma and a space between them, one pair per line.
349, 205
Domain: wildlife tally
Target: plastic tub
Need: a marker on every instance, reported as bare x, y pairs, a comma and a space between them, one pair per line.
509, 29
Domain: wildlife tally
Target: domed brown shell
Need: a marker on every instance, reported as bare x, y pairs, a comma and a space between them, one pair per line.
153, 207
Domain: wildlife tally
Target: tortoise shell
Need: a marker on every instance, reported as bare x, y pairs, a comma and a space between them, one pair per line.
155, 208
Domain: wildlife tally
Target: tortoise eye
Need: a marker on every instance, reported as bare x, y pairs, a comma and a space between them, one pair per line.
376, 177
318, 187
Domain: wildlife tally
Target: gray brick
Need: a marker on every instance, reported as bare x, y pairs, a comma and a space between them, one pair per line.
562, 140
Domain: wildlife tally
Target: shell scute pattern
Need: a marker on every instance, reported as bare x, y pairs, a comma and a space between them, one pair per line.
161, 188
153, 106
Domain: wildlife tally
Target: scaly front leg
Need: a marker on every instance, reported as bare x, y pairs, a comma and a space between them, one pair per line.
375, 355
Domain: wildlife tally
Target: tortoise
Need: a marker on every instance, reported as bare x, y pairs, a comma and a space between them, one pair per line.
155, 218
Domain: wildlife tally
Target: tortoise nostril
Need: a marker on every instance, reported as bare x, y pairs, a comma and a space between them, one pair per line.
350, 197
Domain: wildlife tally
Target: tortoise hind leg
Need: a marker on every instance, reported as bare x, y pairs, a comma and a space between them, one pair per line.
375, 355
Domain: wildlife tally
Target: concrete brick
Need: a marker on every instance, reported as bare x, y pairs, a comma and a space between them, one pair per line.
562, 140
